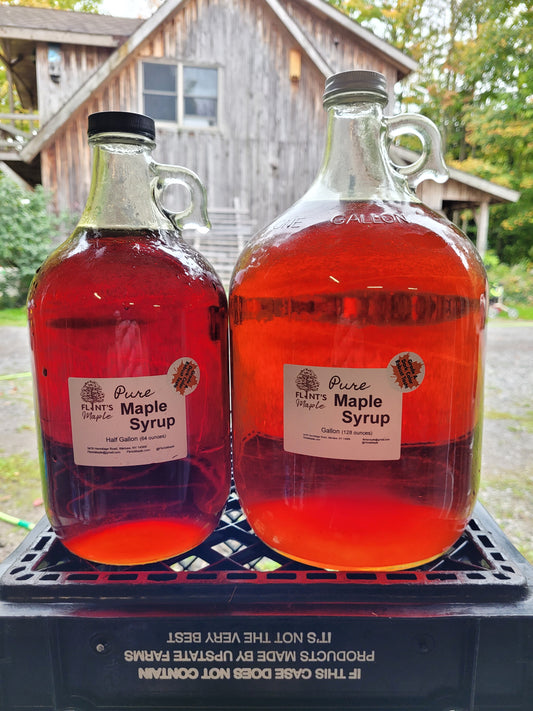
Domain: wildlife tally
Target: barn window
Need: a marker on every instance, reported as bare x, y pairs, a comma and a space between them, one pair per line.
183, 94
200, 90
160, 91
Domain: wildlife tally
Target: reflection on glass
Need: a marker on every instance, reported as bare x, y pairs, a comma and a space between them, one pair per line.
200, 96
160, 91
159, 77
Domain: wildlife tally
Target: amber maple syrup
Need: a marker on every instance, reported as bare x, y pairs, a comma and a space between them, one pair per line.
325, 303
128, 331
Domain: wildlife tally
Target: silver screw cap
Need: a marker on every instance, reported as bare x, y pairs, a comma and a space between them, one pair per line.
358, 80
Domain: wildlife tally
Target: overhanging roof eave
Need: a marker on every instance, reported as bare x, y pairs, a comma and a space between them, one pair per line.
124, 51
403, 62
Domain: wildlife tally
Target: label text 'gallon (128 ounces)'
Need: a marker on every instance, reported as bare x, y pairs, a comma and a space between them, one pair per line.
357, 322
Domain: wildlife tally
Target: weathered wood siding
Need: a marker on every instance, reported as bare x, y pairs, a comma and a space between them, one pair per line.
66, 162
438, 196
338, 46
270, 141
78, 62
270, 138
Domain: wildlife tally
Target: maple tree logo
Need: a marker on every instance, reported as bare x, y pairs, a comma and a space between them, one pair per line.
307, 380
407, 371
92, 392
184, 375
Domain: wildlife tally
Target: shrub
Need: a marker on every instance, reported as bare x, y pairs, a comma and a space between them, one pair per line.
27, 229
516, 279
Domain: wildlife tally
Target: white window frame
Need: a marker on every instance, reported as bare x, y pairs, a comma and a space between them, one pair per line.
180, 99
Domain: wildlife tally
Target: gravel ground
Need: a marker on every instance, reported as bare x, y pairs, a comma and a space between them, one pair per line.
507, 469
17, 426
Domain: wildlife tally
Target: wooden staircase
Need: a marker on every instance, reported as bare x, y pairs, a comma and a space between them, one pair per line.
231, 228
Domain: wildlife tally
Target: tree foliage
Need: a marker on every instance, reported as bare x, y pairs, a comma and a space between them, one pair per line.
475, 80
77, 5
27, 227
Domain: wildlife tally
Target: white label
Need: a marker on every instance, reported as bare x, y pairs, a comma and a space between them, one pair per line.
120, 422
342, 413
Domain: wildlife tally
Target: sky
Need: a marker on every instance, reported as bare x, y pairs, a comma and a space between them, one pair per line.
126, 8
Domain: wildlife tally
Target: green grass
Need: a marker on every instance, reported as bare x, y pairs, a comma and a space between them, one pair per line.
18, 468
524, 312
13, 317
20, 485
508, 495
518, 423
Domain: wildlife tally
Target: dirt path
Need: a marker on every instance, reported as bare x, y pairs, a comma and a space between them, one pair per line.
507, 459
17, 424
507, 469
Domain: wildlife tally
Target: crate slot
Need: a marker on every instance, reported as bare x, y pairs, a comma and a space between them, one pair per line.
44, 568
485, 541
401, 576
361, 576
123, 576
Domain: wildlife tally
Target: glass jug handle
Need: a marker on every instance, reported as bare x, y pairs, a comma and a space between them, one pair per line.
192, 217
430, 164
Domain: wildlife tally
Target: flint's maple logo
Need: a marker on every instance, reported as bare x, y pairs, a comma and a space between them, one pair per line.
307, 395
93, 406
92, 392
307, 380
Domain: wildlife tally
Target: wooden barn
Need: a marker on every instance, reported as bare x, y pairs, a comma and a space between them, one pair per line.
235, 88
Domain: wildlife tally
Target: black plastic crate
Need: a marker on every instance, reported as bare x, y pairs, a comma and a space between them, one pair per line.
235, 625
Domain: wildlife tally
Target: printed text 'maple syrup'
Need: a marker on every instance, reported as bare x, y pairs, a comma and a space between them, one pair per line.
318, 293
128, 329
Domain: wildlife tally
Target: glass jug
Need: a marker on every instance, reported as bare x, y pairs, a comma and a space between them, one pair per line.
128, 329
358, 326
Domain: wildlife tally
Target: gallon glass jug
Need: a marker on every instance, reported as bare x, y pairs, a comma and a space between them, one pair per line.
128, 329
357, 324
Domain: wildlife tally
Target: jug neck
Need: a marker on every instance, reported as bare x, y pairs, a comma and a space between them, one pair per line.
356, 164
122, 184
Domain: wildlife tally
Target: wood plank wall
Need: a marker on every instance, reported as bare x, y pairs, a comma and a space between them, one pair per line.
338, 47
270, 141
78, 62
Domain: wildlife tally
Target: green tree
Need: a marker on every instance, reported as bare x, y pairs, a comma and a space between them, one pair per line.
9, 100
77, 5
27, 228
475, 80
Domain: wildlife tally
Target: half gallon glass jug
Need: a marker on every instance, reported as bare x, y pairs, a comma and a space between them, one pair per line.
128, 328
357, 323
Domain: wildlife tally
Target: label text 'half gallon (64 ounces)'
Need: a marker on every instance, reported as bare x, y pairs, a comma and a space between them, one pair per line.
128, 328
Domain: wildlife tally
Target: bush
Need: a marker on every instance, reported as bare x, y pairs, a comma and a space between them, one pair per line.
516, 279
27, 229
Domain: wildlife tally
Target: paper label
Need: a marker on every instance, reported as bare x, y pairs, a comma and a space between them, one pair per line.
120, 422
342, 413
407, 371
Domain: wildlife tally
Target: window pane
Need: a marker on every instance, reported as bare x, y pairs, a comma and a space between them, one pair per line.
201, 107
159, 77
198, 81
160, 107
